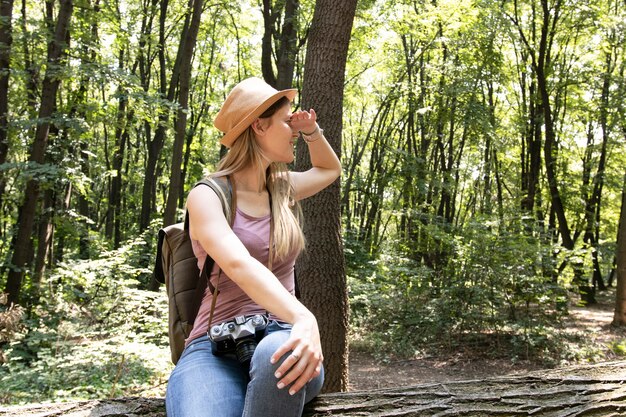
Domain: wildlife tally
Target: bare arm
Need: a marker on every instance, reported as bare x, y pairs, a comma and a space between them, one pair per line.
209, 226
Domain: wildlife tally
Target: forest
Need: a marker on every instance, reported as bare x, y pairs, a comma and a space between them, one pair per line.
483, 152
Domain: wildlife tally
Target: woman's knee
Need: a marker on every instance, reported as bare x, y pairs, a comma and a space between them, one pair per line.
261, 365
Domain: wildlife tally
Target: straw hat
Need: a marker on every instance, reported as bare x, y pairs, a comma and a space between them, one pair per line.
245, 103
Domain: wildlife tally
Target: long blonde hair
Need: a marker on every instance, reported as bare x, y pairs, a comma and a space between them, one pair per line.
286, 214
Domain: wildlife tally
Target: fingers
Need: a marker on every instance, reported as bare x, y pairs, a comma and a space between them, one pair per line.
301, 371
300, 366
289, 361
301, 355
303, 115
286, 347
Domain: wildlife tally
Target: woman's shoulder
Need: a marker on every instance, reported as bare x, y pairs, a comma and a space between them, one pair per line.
219, 184
207, 189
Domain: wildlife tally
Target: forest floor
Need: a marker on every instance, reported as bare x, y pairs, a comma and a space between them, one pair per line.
590, 323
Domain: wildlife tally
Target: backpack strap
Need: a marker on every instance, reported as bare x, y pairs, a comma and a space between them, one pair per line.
223, 187
159, 274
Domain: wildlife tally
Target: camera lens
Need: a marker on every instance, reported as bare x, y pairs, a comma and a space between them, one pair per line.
245, 350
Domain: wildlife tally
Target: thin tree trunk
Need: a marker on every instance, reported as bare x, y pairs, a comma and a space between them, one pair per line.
188, 44
321, 271
156, 144
115, 190
6, 39
81, 153
51, 82
285, 40
64, 203
619, 317
43, 239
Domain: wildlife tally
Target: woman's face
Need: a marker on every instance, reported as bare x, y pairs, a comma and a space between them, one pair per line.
278, 139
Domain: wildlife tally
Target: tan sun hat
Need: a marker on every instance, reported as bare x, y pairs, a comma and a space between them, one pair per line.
245, 103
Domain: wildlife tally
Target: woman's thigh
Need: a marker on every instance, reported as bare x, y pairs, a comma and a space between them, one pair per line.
263, 396
203, 384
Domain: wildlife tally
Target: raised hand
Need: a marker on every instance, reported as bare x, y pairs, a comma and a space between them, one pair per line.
303, 121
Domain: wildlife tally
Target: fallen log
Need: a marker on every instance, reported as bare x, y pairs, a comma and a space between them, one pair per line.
593, 390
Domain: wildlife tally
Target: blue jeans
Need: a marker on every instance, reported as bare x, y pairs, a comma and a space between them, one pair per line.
205, 385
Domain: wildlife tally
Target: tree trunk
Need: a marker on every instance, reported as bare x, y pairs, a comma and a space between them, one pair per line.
619, 317
590, 391
115, 191
51, 82
286, 42
91, 56
156, 144
550, 135
188, 44
83, 204
6, 39
321, 270
44, 239
593, 203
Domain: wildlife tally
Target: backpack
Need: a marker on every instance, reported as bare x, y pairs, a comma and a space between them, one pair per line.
177, 267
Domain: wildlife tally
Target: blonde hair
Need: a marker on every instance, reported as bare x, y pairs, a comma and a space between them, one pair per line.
286, 214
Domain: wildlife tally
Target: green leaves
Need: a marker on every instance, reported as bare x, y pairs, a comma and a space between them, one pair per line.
95, 334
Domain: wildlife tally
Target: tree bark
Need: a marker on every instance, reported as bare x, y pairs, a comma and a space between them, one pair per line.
619, 317
595, 390
321, 270
51, 82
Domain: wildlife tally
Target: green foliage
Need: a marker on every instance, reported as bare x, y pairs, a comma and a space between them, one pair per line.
618, 347
94, 334
491, 293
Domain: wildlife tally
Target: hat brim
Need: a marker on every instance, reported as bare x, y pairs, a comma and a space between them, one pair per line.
229, 138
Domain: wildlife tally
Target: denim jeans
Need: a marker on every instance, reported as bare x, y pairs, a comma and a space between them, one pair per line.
205, 385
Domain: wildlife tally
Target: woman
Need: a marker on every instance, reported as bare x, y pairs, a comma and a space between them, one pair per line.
254, 262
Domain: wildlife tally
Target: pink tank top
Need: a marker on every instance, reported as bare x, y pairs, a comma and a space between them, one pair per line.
254, 233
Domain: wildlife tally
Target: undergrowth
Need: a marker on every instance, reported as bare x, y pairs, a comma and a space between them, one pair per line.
93, 334
489, 298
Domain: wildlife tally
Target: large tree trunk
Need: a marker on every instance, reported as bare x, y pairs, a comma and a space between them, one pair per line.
51, 82
619, 318
187, 46
590, 391
321, 270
